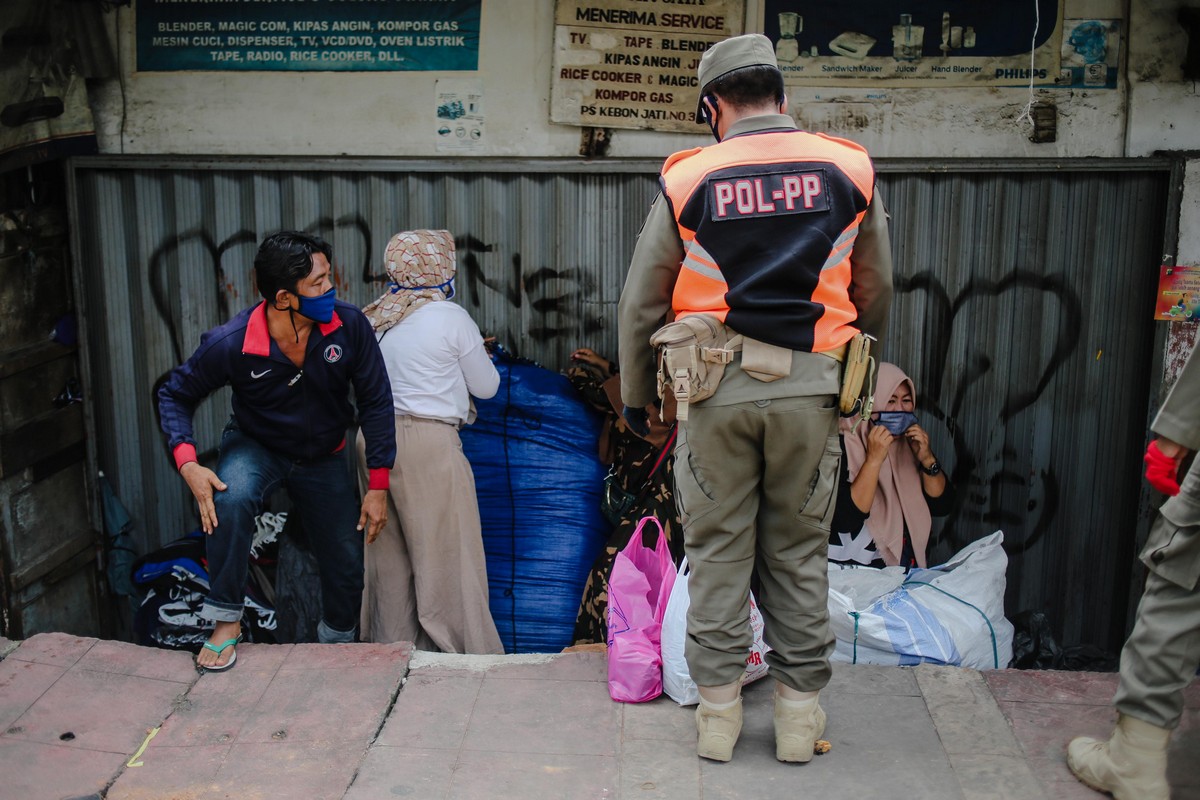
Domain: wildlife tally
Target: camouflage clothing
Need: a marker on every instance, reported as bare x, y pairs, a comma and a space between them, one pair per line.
633, 461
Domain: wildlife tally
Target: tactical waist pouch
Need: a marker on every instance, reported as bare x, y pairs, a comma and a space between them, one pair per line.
692, 354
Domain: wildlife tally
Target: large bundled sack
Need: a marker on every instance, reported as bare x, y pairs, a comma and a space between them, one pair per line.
174, 582
952, 614
533, 451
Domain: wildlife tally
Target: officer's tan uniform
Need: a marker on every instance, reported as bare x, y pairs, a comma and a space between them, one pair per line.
1162, 653
1160, 658
756, 464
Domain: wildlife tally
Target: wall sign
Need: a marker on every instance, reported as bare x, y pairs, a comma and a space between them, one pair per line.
1178, 294
632, 63
916, 43
307, 35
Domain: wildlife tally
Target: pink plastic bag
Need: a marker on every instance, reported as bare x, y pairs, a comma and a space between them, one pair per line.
638, 590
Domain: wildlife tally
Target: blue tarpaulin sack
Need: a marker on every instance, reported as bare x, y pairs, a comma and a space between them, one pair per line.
533, 450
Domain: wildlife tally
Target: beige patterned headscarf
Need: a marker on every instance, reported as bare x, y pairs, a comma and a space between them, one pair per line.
421, 266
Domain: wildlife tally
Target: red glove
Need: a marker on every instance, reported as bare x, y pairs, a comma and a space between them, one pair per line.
1161, 470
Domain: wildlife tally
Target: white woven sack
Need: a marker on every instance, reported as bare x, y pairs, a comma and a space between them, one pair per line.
677, 680
951, 614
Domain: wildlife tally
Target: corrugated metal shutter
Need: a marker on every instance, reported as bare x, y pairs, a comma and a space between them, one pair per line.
1022, 313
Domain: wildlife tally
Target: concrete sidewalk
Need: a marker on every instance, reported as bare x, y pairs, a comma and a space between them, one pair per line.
89, 718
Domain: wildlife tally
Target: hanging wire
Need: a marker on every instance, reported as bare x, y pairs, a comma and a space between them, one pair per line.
1027, 112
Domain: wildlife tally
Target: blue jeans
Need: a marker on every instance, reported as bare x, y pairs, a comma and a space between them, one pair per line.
323, 496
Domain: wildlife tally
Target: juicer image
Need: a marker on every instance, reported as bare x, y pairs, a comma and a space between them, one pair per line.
790, 23
907, 39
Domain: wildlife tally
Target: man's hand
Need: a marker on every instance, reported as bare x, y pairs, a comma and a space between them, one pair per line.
374, 513
202, 481
1163, 458
588, 356
638, 420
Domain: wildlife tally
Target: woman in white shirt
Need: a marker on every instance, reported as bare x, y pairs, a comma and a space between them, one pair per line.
426, 578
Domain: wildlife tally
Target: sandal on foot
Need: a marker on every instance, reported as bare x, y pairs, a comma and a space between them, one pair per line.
218, 649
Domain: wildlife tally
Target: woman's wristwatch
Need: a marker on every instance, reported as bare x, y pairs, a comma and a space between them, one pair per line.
933, 469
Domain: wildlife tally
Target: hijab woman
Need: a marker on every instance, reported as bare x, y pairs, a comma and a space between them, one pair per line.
426, 577
895, 483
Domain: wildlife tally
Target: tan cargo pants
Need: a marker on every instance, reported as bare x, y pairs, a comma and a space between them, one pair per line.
756, 484
1162, 653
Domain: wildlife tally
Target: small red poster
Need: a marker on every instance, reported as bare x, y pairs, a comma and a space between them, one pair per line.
1178, 294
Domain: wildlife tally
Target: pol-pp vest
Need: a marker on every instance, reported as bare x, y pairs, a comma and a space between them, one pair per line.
768, 221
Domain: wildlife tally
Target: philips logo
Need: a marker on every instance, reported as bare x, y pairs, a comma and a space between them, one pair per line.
770, 194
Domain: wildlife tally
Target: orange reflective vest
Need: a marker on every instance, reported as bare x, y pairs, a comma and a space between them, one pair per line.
768, 221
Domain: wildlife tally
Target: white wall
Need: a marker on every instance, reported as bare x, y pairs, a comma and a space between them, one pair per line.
388, 114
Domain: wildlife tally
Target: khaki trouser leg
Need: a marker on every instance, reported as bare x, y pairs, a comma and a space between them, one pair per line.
747, 478
793, 544
1162, 653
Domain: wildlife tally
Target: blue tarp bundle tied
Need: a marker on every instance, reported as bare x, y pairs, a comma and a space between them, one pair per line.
538, 479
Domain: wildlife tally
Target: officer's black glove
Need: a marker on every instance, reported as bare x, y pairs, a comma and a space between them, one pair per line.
638, 420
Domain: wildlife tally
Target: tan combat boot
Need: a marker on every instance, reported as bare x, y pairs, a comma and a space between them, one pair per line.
797, 729
717, 730
1132, 764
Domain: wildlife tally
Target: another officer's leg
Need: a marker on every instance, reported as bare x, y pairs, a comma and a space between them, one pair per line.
1157, 663
717, 460
801, 458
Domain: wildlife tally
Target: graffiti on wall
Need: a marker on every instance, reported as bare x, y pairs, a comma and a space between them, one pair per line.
956, 382
551, 295
953, 386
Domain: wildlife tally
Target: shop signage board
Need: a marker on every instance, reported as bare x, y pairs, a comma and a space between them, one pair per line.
916, 43
1178, 293
632, 63
307, 35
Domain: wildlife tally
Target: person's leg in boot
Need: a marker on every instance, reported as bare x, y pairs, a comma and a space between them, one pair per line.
799, 722
716, 480
801, 456
1157, 663
718, 720
1130, 765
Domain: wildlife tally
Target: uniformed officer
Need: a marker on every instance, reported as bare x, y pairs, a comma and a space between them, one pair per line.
1160, 658
780, 234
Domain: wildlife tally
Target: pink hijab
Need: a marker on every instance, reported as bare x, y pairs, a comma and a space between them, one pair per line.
900, 499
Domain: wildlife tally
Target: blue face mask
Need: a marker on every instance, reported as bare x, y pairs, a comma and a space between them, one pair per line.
896, 422
319, 308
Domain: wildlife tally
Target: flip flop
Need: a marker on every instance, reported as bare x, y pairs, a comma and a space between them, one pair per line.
221, 649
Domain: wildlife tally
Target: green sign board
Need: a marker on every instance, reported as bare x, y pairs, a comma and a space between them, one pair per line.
308, 35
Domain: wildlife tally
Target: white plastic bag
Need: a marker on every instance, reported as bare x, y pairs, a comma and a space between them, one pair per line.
951, 614
677, 681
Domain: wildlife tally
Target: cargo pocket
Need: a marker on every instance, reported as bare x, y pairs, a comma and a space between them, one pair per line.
818, 505
1173, 552
690, 497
